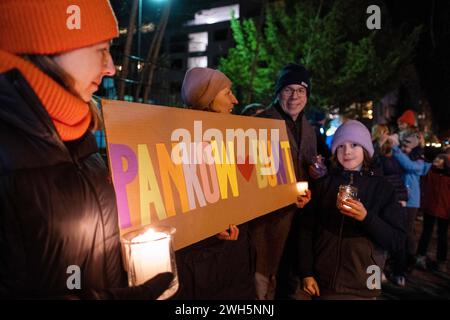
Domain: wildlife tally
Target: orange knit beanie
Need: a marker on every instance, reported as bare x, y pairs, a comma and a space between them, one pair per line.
54, 26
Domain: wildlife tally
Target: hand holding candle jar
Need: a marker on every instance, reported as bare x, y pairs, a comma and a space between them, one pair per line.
148, 252
317, 168
302, 186
304, 194
348, 203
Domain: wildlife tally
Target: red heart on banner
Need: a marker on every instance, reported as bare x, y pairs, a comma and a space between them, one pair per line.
246, 169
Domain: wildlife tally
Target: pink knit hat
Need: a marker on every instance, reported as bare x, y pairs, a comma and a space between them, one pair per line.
201, 85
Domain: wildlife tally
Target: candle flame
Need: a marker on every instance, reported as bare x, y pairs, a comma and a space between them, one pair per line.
302, 186
149, 235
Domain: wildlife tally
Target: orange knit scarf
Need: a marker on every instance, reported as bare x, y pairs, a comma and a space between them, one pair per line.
69, 114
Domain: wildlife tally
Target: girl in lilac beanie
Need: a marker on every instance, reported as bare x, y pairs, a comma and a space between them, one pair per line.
343, 240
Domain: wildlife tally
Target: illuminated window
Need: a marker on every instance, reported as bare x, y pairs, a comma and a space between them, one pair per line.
198, 42
198, 62
214, 15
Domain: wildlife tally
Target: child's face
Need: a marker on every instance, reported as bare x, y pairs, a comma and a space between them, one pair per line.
350, 156
402, 125
438, 162
405, 149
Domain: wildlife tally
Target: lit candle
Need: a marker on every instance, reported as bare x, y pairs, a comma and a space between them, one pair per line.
148, 252
346, 192
302, 186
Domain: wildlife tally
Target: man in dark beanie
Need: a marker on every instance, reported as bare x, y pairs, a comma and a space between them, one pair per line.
293, 73
270, 232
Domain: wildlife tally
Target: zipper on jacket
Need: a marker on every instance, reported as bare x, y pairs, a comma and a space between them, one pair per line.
30, 99
79, 168
338, 255
91, 186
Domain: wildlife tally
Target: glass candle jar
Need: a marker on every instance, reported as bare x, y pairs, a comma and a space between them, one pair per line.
346, 191
148, 252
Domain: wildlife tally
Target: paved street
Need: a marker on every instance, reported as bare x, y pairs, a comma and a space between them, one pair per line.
421, 284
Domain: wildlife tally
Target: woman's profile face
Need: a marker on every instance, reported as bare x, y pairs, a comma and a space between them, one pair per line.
87, 66
224, 101
402, 125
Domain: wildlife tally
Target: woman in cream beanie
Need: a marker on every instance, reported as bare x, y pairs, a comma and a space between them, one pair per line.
208, 89
59, 224
220, 267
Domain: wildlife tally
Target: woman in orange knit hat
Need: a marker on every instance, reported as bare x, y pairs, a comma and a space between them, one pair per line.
59, 234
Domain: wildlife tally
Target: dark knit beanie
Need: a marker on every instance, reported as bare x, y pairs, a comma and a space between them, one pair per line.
293, 73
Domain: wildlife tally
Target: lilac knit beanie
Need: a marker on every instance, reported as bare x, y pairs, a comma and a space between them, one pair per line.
353, 131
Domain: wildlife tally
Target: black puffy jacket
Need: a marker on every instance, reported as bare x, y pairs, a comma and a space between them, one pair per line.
57, 204
338, 250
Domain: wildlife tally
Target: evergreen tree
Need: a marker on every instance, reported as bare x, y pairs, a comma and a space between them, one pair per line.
348, 62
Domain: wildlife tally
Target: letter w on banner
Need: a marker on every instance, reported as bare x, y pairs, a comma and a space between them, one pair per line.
193, 170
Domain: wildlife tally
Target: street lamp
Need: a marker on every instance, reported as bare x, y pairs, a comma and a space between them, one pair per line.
139, 28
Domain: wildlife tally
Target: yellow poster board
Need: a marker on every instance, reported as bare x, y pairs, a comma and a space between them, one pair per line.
193, 170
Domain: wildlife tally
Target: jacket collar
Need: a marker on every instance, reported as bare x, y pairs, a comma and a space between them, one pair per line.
354, 173
287, 117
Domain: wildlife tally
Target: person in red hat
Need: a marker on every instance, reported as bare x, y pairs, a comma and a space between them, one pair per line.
59, 235
407, 124
407, 120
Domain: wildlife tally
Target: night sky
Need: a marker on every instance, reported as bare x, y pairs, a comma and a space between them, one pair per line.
433, 52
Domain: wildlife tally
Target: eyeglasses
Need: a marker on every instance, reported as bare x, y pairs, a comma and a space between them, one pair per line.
289, 91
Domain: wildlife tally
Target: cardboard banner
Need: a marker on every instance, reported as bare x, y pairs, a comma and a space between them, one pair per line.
193, 170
